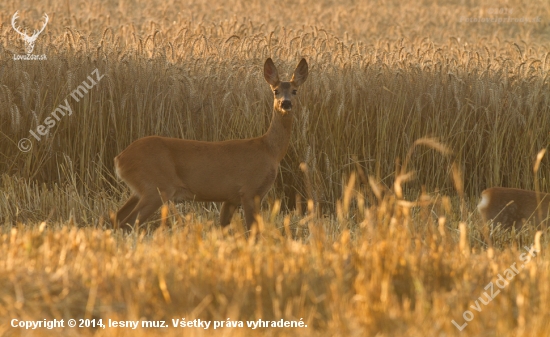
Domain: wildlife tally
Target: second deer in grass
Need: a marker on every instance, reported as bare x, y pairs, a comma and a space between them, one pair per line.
235, 172
512, 206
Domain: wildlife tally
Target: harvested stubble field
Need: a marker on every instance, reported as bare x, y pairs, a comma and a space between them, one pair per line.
339, 247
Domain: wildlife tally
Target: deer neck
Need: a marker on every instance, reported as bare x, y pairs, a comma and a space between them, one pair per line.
277, 136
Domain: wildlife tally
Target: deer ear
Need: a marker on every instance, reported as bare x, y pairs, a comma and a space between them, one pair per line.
300, 73
270, 73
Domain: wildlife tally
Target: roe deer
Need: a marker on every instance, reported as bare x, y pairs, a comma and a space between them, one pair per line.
158, 169
513, 206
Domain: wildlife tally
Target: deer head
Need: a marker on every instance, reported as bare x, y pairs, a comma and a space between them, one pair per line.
29, 40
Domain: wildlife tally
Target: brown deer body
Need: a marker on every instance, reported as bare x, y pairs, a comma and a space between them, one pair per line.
513, 206
235, 172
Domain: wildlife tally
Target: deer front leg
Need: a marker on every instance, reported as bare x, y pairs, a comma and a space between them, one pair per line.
249, 208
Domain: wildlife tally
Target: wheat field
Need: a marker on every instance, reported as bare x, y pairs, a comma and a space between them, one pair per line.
410, 110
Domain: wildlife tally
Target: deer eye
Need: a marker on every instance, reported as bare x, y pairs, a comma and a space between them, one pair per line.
294, 92
276, 92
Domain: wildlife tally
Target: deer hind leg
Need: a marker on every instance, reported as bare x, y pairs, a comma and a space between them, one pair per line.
145, 207
126, 209
143, 210
226, 213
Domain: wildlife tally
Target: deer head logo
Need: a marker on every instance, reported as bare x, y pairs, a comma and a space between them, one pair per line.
29, 40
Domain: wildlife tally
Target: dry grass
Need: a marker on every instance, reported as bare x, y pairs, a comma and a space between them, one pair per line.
387, 274
383, 75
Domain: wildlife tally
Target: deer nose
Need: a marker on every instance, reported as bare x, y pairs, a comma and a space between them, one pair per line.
286, 105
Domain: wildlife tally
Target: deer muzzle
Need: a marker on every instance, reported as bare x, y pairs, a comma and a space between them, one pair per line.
286, 105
